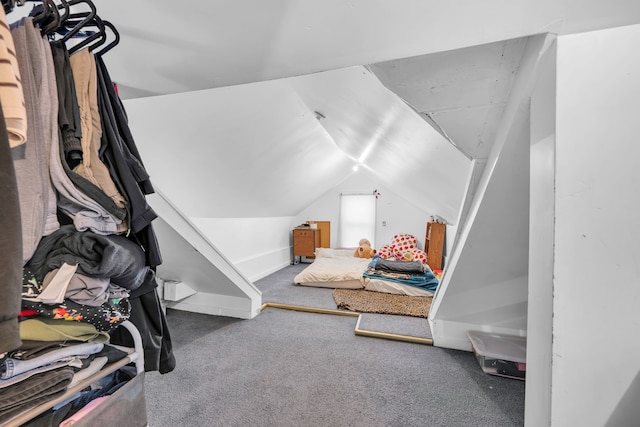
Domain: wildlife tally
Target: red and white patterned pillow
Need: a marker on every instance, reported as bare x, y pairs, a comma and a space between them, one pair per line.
403, 243
386, 252
419, 255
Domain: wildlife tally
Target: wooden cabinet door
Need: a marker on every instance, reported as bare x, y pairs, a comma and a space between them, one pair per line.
434, 244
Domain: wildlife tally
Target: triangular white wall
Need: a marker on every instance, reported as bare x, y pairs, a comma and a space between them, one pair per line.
485, 284
211, 283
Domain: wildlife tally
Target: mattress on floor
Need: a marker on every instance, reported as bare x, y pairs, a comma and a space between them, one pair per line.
334, 268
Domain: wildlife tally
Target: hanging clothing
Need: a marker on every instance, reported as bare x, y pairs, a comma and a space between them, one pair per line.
70, 152
68, 110
80, 205
10, 247
86, 213
37, 196
79, 159
83, 67
121, 156
13, 132
13, 108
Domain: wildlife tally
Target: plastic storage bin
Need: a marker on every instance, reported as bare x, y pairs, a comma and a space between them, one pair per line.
502, 355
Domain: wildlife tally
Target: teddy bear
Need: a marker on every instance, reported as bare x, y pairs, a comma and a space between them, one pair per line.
364, 249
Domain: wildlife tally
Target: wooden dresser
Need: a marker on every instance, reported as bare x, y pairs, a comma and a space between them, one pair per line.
305, 242
434, 244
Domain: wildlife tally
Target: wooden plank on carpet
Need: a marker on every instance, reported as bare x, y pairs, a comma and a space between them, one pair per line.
403, 325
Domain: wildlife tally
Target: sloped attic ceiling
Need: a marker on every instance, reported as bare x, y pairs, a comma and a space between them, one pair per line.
376, 129
170, 47
283, 143
457, 76
461, 92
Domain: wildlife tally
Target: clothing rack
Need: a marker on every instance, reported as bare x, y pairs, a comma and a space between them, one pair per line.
73, 27
75, 22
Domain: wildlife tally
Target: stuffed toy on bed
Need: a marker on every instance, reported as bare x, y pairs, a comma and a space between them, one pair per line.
364, 249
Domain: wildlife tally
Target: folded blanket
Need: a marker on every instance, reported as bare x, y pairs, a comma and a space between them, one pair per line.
412, 267
425, 280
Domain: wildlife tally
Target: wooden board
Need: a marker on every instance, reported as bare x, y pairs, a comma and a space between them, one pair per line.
325, 232
434, 244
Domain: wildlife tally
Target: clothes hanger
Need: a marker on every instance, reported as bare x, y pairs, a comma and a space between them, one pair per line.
45, 15
55, 18
8, 5
90, 15
114, 43
102, 33
40, 13
71, 21
67, 11
99, 35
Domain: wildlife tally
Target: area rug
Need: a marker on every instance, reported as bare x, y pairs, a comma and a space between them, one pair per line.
362, 301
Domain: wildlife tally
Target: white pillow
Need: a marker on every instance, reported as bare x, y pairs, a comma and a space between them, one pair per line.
334, 253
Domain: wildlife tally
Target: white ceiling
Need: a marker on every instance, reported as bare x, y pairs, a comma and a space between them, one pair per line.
462, 92
281, 144
453, 63
169, 46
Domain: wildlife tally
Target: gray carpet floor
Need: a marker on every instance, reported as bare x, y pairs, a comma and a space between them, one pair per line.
291, 368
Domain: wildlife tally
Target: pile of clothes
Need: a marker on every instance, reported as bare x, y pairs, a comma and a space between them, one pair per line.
402, 262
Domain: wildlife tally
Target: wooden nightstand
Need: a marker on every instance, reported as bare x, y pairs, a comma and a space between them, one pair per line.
305, 242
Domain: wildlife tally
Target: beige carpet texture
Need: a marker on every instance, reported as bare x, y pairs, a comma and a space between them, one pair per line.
362, 301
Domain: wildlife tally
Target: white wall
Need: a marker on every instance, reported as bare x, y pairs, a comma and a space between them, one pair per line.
485, 283
230, 160
198, 275
541, 233
401, 215
256, 246
232, 152
596, 349
261, 246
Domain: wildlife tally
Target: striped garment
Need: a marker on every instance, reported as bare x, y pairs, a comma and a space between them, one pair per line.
11, 94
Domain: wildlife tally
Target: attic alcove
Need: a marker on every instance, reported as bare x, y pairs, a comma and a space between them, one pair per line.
249, 162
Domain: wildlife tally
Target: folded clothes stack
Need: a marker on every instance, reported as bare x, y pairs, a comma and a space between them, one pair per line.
414, 273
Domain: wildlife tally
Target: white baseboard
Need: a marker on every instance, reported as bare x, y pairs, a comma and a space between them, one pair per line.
261, 265
217, 305
269, 271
